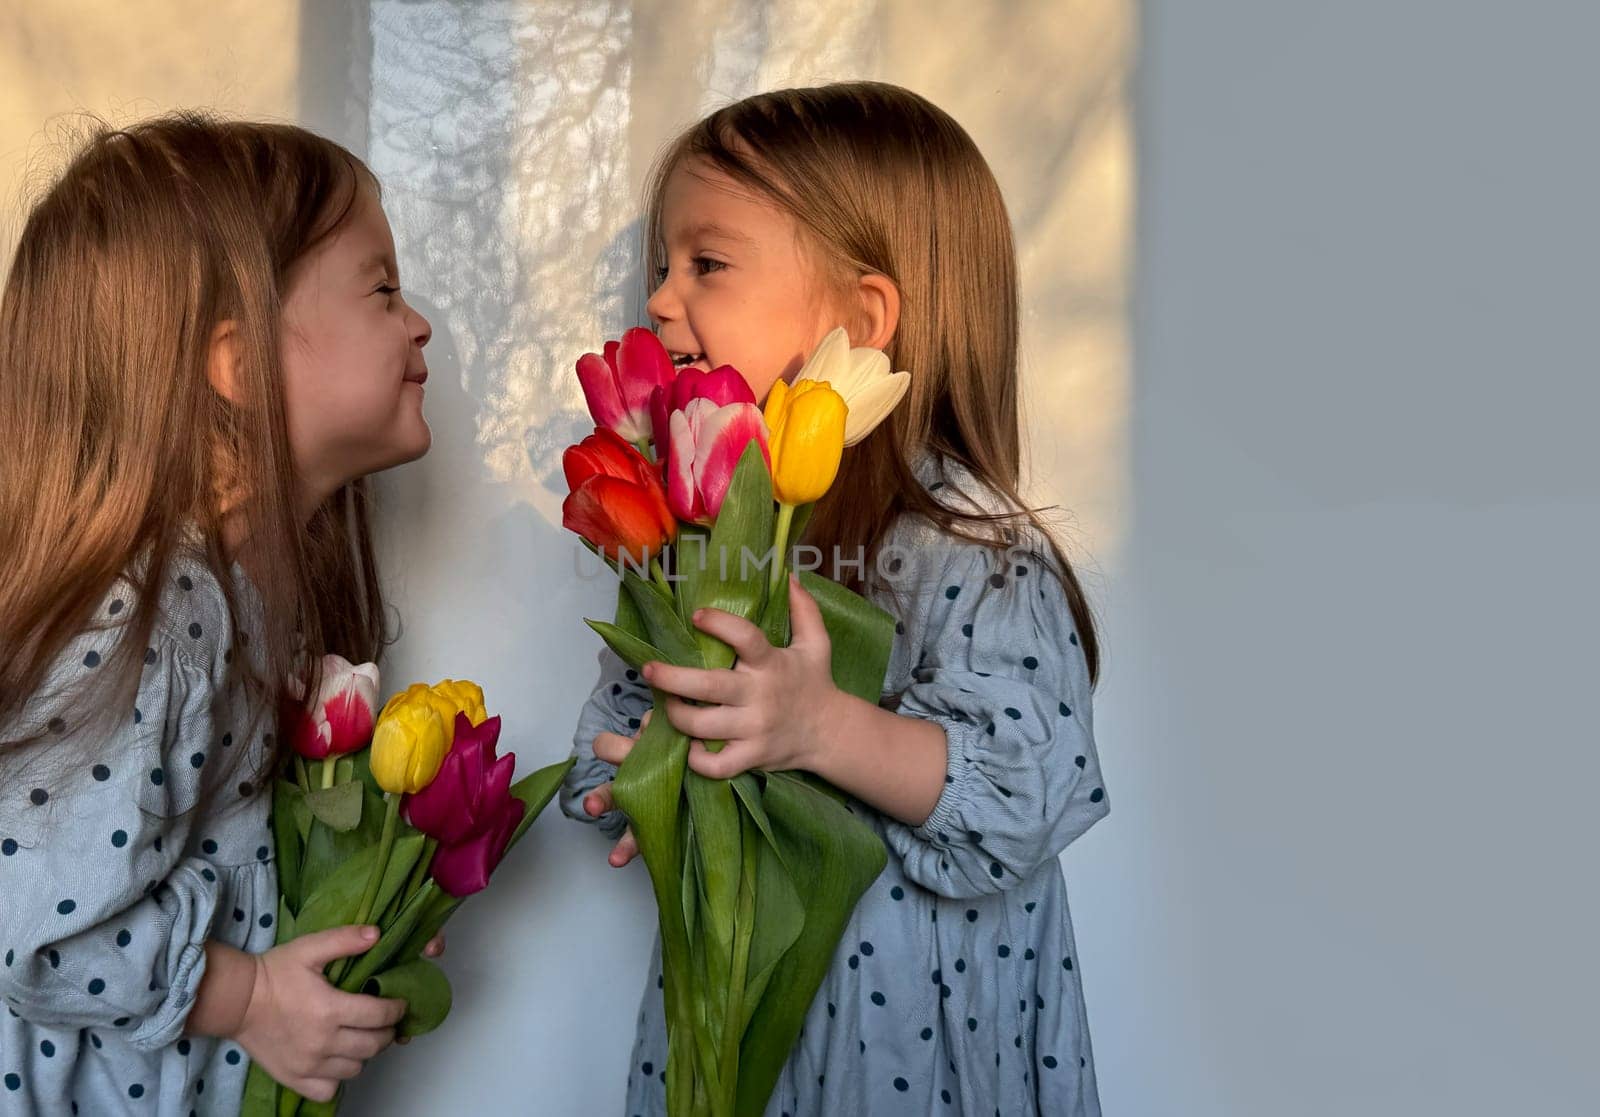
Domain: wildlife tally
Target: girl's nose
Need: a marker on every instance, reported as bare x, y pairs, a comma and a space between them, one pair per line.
661, 304
421, 329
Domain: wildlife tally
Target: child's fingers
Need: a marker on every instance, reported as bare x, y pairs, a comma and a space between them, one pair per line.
735, 758
357, 1010
626, 849
805, 617
599, 801
613, 748
360, 1043
435, 946
709, 723
721, 687
317, 1089
337, 1066
321, 947
746, 639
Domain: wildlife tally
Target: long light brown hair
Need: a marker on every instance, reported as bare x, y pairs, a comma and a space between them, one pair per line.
881, 181
116, 450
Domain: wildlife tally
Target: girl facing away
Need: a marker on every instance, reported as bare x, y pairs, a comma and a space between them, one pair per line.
956, 986
203, 350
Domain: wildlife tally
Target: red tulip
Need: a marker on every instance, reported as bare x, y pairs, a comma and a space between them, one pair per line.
617, 384
468, 808
722, 386
703, 451
617, 501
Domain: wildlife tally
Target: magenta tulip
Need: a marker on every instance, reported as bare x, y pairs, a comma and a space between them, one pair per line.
722, 386
468, 808
618, 383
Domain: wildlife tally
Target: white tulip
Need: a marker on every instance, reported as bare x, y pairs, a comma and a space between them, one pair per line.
862, 377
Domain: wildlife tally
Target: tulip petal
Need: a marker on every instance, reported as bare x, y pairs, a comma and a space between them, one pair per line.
601, 391
812, 442
617, 517
682, 496
464, 869
720, 443
863, 368
349, 721
874, 405
831, 351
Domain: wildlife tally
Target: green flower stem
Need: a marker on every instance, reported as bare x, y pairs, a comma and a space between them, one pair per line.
780, 547
300, 771
744, 929
391, 821
419, 874
659, 575
328, 766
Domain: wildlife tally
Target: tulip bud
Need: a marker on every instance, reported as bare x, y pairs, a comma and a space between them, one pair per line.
409, 745
807, 424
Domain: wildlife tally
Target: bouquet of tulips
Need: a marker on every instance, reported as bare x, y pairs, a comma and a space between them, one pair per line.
695, 493
393, 819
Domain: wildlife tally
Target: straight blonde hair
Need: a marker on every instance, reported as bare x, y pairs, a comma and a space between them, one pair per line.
881, 181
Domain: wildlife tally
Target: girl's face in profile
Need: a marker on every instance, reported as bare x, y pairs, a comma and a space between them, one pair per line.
738, 287
352, 356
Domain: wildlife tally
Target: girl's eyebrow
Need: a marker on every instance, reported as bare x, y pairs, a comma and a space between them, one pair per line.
378, 261
702, 230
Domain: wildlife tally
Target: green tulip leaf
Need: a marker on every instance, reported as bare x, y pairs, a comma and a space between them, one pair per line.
337, 807
664, 628
336, 900
862, 636
424, 988
287, 803
729, 572
831, 857
536, 790
632, 650
628, 617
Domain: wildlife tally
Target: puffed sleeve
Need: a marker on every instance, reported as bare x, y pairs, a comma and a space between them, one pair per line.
103, 915
616, 705
1002, 671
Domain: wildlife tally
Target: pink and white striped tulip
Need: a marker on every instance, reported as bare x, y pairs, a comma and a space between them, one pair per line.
703, 449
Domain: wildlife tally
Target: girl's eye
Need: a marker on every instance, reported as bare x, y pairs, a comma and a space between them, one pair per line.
385, 289
661, 276
704, 265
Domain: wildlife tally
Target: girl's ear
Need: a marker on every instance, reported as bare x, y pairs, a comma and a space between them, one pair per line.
222, 361
879, 304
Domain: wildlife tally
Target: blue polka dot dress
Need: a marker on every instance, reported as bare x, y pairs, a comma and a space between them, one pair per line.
955, 989
126, 844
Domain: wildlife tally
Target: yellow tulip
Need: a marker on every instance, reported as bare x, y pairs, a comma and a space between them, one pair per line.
449, 697
466, 696
409, 744
805, 436
410, 693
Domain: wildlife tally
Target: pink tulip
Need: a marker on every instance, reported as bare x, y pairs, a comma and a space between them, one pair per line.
704, 447
339, 719
468, 808
722, 386
617, 384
